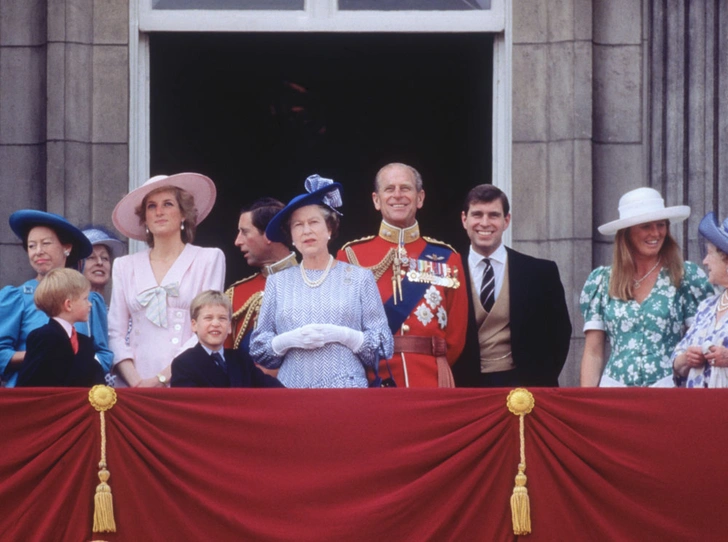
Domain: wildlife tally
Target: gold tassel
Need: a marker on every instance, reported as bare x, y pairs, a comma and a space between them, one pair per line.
102, 398
521, 402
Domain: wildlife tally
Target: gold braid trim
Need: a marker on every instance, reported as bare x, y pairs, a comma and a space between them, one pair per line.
103, 398
441, 243
251, 308
521, 402
360, 240
377, 269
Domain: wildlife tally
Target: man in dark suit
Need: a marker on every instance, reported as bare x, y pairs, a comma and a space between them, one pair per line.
208, 364
518, 323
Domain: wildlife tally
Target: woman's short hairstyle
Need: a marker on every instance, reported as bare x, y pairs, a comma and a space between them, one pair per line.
58, 286
213, 298
331, 218
186, 202
621, 284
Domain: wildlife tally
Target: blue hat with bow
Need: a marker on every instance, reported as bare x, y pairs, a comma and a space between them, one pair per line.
319, 191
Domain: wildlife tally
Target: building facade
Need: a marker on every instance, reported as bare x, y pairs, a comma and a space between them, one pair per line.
590, 98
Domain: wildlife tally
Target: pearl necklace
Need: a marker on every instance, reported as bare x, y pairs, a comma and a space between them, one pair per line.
638, 282
722, 302
319, 281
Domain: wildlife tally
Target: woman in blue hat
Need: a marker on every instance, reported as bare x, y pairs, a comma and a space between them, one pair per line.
700, 360
322, 322
51, 242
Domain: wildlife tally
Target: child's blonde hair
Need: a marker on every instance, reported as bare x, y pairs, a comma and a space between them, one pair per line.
210, 297
57, 286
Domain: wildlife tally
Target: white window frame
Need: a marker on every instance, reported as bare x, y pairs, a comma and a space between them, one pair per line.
317, 16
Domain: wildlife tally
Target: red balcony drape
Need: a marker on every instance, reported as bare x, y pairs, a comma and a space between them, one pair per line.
365, 465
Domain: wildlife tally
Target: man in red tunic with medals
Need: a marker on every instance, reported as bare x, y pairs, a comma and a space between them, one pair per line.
419, 279
246, 295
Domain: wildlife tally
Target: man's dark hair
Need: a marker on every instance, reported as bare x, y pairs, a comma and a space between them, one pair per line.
485, 193
262, 211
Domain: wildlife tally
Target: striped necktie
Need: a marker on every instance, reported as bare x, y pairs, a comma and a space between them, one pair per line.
487, 287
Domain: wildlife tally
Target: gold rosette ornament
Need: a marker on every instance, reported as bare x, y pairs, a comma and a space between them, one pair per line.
521, 402
102, 398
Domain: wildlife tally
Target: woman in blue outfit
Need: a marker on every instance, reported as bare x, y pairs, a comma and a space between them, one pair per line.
645, 301
321, 322
51, 242
97, 269
700, 360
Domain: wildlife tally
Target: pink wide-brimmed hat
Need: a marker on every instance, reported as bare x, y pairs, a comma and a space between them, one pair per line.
199, 186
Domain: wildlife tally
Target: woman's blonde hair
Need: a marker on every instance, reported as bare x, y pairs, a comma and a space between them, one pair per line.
621, 283
186, 202
59, 285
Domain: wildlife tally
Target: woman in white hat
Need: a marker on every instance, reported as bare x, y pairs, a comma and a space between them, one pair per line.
644, 301
322, 322
149, 319
700, 360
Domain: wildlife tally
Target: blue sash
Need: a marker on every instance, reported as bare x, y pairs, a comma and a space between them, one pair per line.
412, 292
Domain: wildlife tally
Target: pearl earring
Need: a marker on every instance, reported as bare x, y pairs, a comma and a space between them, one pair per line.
66, 253
146, 229
182, 226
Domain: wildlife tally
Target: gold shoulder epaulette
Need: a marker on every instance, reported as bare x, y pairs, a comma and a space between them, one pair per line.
355, 241
229, 291
441, 243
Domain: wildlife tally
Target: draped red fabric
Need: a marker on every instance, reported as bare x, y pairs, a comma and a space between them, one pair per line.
365, 465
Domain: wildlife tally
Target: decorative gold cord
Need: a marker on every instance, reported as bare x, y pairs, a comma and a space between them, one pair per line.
521, 402
251, 308
103, 398
377, 269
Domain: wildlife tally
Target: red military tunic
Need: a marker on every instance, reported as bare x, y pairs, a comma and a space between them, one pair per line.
246, 296
441, 312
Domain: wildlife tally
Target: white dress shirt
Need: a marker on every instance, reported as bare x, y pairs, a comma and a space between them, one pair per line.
477, 267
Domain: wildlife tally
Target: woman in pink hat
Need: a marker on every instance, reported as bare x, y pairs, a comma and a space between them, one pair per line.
149, 320
645, 301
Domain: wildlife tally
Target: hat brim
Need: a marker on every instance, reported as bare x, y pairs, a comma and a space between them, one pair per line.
274, 230
675, 215
712, 231
21, 222
199, 186
116, 247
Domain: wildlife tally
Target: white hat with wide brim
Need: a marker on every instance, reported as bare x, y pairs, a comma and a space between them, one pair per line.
643, 205
199, 186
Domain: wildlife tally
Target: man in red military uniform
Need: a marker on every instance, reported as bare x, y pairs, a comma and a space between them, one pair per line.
246, 295
420, 281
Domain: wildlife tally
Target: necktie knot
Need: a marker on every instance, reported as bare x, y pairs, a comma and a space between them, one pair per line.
487, 286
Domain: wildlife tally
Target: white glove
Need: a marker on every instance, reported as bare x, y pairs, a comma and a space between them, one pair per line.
306, 337
351, 338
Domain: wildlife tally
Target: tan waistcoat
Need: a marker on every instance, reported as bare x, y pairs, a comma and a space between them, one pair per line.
494, 329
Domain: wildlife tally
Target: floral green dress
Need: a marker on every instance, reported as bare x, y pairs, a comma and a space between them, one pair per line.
642, 336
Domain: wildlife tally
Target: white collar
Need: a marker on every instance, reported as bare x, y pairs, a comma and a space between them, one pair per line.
65, 324
500, 255
209, 352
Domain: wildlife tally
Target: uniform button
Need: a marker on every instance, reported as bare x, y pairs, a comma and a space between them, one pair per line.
175, 340
177, 327
405, 328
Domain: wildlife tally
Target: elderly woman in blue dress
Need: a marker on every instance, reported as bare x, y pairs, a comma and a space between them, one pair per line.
645, 301
322, 323
51, 242
700, 360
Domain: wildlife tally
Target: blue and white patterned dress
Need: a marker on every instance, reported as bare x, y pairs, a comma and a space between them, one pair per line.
643, 335
348, 297
704, 329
